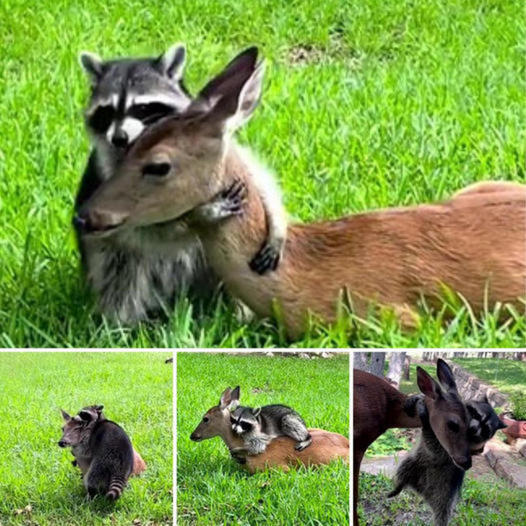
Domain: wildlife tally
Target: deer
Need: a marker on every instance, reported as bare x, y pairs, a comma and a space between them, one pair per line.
280, 452
449, 437
473, 243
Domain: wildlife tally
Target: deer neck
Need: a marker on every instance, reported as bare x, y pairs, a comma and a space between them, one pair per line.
231, 244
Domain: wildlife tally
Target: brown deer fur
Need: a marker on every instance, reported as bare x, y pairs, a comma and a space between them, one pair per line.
473, 243
377, 407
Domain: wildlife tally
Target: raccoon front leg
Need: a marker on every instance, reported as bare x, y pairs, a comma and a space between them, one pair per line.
405, 476
296, 429
225, 204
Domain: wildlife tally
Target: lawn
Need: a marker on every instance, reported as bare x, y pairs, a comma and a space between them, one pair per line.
212, 489
366, 105
38, 484
481, 504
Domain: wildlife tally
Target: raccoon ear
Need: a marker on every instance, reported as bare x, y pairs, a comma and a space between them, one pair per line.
171, 62
93, 66
86, 416
65, 416
256, 411
99, 408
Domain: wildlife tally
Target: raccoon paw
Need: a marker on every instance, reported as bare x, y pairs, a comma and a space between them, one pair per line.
233, 198
300, 446
266, 259
227, 203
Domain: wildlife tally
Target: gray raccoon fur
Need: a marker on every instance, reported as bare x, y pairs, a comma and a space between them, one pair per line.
259, 426
430, 471
130, 276
102, 450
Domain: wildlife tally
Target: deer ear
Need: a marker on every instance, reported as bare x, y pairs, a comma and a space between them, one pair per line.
235, 393
65, 416
171, 62
445, 375
93, 66
229, 99
225, 398
427, 385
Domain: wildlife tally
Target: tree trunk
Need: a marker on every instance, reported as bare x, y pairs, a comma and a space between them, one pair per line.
407, 367
371, 362
396, 366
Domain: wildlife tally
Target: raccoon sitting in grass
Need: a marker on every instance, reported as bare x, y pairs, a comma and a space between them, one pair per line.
259, 426
102, 450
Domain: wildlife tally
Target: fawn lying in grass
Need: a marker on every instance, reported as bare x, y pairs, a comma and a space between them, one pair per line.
280, 452
474, 243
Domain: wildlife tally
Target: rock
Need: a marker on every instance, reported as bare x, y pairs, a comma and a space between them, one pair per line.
512, 472
520, 446
382, 465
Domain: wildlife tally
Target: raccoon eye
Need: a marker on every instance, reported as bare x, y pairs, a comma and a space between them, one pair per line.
453, 426
156, 169
101, 118
149, 113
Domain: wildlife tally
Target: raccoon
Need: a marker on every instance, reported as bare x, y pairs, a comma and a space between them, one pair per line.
134, 274
102, 449
483, 425
259, 426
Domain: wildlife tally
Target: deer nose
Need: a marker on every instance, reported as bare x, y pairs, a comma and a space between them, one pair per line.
61, 443
120, 138
463, 462
195, 437
93, 221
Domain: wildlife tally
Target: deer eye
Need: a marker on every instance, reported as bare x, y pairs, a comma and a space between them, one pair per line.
205, 419
156, 169
453, 426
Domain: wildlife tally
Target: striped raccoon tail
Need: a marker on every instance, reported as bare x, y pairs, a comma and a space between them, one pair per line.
116, 487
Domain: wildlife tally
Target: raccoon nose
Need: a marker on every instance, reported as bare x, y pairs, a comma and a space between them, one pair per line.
98, 221
120, 138
61, 443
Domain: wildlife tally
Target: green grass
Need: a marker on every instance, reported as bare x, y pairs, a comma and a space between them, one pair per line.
212, 489
135, 389
481, 504
508, 376
396, 103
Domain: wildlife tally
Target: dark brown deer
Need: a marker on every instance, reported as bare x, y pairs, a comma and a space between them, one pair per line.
473, 243
281, 452
377, 407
